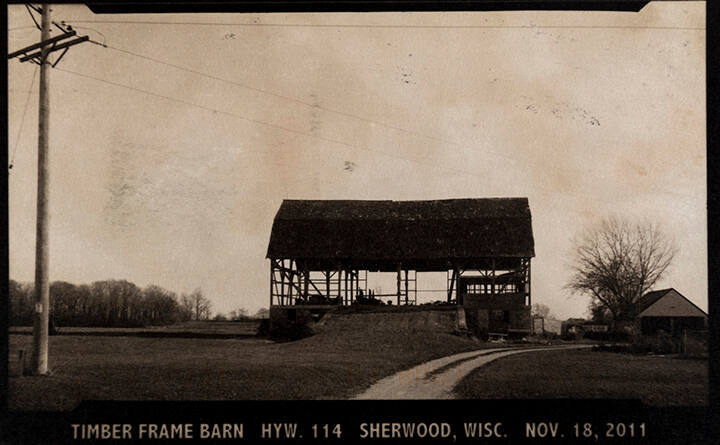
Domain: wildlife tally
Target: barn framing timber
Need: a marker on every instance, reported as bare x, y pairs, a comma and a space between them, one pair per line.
299, 282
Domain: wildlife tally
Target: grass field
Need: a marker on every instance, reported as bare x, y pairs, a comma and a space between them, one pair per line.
188, 329
656, 380
345, 357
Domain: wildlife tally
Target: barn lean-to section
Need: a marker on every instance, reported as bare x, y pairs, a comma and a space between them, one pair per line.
321, 251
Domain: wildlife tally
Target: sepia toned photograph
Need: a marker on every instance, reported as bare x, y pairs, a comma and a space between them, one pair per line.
485, 205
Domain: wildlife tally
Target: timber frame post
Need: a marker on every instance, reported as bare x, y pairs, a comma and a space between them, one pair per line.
407, 294
272, 280
352, 285
339, 280
306, 281
399, 270
453, 278
527, 281
327, 284
282, 283
494, 290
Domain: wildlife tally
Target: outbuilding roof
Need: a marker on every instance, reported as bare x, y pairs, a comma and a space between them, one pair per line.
651, 298
448, 229
681, 307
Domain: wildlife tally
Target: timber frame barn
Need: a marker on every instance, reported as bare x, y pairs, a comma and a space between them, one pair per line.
321, 251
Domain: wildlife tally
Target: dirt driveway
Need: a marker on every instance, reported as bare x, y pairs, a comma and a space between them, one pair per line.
437, 378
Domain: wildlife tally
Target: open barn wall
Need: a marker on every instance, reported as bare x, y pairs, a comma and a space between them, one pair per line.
320, 253
295, 281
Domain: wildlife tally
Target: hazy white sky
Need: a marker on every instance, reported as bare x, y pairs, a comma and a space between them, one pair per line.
163, 175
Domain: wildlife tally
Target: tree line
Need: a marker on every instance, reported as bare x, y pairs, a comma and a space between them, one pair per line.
109, 303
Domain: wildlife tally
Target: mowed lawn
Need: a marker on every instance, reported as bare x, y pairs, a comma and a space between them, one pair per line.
333, 364
656, 380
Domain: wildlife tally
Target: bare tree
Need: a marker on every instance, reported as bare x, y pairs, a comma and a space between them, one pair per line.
617, 262
20, 303
540, 310
201, 305
187, 307
262, 313
238, 314
598, 312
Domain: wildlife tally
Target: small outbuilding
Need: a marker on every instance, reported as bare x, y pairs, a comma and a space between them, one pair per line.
669, 311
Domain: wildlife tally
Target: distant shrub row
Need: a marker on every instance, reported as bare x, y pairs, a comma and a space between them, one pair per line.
110, 303
600, 336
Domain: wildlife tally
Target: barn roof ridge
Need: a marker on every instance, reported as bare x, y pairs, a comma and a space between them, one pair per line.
395, 230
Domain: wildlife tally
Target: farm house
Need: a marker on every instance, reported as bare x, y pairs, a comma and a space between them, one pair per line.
320, 253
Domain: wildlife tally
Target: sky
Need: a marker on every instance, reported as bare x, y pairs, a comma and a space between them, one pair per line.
172, 148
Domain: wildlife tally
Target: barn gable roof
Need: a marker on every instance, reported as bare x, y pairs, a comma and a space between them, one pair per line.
401, 230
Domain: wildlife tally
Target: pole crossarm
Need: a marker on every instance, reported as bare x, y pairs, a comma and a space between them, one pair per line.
55, 48
41, 44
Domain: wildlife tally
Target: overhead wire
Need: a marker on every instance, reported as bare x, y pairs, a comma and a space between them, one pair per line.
385, 26
17, 28
293, 99
22, 119
32, 16
307, 104
306, 134
63, 23
268, 124
282, 96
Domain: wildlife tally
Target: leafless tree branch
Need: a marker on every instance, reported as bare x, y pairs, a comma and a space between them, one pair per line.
617, 262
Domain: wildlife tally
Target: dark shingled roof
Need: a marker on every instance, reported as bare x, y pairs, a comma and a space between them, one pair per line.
650, 298
402, 230
653, 297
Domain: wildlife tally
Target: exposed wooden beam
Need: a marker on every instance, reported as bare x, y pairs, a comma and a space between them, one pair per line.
453, 278
35, 46
327, 284
306, 281
272, 280
55, 48
291, 285
339, 280
407, 294
528, 282
399, 269
282, 283
352, 285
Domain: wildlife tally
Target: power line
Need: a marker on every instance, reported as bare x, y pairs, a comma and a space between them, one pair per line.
22, 120
280, 127
17, 28
37, 25
63, 23
298, 101
376, 26
295, 100
302, 133
280, 96
214, 110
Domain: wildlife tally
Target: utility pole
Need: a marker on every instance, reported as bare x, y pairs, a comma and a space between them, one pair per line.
47, 45
42, 284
